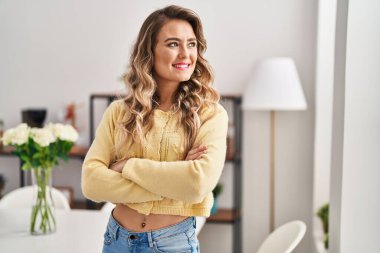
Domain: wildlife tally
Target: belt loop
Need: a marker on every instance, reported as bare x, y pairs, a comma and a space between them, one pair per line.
195, 221
116, 232
149, 233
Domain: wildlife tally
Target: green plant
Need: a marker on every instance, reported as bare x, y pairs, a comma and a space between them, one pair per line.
323, 214
217, 190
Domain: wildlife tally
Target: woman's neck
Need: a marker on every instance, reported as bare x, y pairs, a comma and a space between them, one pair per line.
166, 93
164, 108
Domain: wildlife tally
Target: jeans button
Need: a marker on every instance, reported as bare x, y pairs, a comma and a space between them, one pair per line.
132, 237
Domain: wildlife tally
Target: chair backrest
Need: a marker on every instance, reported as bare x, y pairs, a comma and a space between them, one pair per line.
200, 223
284, 239
107, 207
24, 197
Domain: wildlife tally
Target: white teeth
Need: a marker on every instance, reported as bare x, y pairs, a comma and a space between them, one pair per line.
181, 66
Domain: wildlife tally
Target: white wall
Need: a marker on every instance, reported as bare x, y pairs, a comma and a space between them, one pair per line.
324, 84
323, 105
355, 187
55, 52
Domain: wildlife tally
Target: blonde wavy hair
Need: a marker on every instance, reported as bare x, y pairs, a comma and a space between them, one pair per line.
192, 95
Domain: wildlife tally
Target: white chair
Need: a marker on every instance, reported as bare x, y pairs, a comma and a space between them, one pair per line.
107, 207
284, 239
24, 197
200, 223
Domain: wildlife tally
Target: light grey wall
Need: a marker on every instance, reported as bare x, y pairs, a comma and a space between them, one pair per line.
338, 127
323, 108
324, 84
55, 52
355, 189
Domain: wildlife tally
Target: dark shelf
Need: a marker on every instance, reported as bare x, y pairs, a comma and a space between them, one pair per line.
76, 151
7, 151
224, 215
233, 160
82, 204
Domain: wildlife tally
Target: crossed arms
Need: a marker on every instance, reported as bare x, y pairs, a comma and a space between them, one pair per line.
137, 180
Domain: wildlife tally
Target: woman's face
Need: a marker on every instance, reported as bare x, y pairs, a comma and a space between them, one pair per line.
175, 54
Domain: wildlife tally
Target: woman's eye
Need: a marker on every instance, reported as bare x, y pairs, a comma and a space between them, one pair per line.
193, 44
173, 44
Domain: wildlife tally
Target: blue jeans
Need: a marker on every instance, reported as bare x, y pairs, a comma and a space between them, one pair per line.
177, 238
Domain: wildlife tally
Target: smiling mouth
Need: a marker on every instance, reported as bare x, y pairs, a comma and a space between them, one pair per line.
181, 66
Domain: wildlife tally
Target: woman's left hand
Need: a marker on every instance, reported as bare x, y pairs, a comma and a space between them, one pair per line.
118, 166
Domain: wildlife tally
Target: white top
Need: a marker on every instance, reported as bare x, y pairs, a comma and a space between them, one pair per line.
77, 231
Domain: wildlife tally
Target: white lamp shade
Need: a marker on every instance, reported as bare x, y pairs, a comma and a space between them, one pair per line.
274, 85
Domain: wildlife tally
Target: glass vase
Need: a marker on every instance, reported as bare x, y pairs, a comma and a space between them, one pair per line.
43, 212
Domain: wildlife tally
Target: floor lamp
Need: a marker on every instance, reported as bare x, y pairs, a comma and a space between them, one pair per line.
274, 86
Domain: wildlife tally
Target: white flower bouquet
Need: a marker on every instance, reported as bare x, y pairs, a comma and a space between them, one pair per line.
39, 149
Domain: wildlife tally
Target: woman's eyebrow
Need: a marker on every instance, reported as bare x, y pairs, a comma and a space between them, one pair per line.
177, 39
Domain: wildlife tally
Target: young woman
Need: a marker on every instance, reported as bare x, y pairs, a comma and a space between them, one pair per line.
159, 152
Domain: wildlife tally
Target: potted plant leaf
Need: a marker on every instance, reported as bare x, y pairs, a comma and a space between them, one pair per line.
216, 192
323, 214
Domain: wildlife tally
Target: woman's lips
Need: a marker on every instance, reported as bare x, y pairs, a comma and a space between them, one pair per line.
181, 66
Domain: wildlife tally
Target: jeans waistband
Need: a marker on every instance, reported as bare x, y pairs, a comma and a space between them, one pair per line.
140, 237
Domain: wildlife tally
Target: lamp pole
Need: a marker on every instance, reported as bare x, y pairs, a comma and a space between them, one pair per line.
272, 171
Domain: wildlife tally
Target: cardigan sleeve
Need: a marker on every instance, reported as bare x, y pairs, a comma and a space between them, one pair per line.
188, 181
99, 183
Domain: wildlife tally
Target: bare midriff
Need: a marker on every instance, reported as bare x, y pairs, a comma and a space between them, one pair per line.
137, 222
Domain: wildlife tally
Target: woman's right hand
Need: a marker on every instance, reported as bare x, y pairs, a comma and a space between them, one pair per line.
196, 152
118, 166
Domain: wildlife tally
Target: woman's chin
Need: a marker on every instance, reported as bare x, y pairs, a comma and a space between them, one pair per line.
185, 78
179, 78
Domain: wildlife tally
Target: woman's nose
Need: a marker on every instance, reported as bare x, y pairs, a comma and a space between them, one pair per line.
183, 53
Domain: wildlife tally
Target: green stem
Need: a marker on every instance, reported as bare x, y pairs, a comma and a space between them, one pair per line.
42, 208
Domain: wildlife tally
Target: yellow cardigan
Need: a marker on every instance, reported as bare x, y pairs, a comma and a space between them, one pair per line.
156, 178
